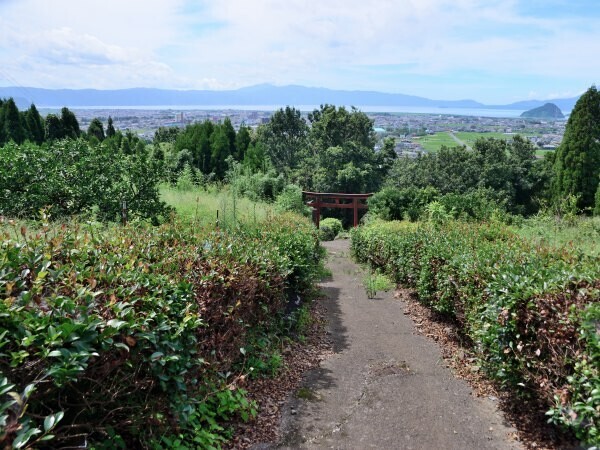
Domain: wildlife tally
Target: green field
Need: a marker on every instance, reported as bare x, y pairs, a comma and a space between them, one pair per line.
432, 143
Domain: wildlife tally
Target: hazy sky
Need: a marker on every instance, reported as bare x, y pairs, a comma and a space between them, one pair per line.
487, 50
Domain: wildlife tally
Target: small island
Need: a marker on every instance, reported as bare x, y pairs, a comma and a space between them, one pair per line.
548, 111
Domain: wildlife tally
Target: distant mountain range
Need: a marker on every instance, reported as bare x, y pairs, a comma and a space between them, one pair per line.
262, 94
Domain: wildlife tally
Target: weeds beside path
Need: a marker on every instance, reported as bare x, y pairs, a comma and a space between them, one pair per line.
385, 386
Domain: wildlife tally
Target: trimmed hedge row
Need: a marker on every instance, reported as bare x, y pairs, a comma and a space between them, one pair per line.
533, 313
130, 334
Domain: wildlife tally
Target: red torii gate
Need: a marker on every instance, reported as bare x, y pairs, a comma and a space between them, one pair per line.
318, 200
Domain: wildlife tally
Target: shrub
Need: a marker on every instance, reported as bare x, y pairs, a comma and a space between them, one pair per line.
326, 233
474, 205
71, 177
397, 204
329, 228
185, 180
531, 311
290, 200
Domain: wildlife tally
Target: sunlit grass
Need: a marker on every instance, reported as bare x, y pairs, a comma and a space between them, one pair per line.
433, 142
582, 233
206, 206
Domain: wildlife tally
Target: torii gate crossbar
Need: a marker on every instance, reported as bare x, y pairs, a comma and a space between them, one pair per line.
319, 200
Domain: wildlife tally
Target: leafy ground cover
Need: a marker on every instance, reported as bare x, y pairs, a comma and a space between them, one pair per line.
531, 311
142, 335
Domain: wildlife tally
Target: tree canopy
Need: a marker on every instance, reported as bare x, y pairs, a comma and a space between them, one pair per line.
577, 162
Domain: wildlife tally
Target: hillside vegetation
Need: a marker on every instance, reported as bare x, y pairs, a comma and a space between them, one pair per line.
139, 335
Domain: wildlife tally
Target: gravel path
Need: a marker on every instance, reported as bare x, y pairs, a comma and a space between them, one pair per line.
385, 386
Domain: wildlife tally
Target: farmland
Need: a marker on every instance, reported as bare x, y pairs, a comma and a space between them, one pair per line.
432, 143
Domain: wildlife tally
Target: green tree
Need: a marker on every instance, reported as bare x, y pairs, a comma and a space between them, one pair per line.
110, 128
53, 127
332, 127
195, 138
34, 124
220, 151
166, 134
2, 132
506, 169
242, 141
387, 155
284, 137
230, 133
577, 163
255, 158
13, 126
340, 154
96, 129
70, 125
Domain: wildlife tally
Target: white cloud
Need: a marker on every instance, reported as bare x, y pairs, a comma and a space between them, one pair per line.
214, 44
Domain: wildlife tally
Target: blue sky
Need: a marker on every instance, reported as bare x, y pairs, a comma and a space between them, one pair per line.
487, 50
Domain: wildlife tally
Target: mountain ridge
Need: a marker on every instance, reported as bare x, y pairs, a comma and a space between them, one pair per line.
261, 94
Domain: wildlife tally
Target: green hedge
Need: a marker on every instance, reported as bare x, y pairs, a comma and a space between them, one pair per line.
532, 312
130, 334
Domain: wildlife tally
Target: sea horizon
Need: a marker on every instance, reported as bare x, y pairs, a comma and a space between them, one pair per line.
473, 112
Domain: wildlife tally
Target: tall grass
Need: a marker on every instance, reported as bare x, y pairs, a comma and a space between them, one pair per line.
207, 206
579, 233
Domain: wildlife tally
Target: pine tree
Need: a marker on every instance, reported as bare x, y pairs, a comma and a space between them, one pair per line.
242, 141
70, 126
110, 128
577, 163
34, 124
230, 133
2, 133
53, 127
96, 129
13, 127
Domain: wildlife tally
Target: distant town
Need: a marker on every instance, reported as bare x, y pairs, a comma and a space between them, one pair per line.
413, 133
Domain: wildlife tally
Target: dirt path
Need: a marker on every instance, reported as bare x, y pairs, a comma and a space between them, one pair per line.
459, 142
385, 386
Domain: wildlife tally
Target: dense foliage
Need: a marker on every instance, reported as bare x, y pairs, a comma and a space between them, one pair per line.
139, 335
506, 170
203, 147
577, 162
413, 204
20, 126
531, 312
74, 176
329, 228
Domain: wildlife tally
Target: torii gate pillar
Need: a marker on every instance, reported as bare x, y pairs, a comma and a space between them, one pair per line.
319, 200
